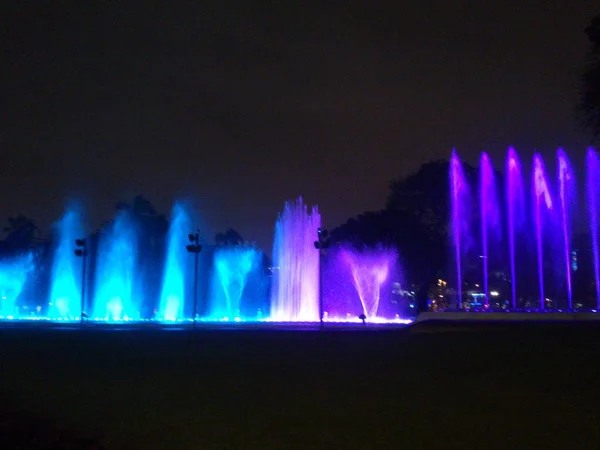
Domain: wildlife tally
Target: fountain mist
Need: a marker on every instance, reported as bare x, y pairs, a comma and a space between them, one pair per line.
515, 207
172, 297
566, 190
541, 199
490, 214
593, 190
459, 190
232, 269
117, 263
295, 290
65, 289
370, 269
13, 274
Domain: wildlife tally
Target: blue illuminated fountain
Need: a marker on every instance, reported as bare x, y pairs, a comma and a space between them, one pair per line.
13, 274
115, 275
65, 289
175, 278
232, 269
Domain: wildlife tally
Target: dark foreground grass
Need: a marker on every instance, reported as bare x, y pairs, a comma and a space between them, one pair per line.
431, 386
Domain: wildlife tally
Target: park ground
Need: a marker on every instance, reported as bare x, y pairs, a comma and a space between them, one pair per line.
428, 386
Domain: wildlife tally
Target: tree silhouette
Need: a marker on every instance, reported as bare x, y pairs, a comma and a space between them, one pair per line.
416, 221
22, 233
229, 238
590, 96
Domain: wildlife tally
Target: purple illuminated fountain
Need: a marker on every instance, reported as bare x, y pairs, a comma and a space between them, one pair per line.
566, 191
490, 214
593, 191
459, 190
542, 202
515, 208
370, 270
295, 289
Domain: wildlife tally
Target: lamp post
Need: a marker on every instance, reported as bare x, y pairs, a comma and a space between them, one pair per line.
321, 244
81, 252
195, 248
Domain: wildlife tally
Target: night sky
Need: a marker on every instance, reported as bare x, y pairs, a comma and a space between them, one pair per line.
241, 108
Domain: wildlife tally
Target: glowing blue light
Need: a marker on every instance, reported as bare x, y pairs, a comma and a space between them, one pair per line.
172, 299
233, 269
117, 265
65, 295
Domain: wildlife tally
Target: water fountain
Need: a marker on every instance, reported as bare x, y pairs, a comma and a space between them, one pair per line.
490, 214
370, 269
295, 289
459, 195
13, 274
233, 266
175, 279
549, 225
117, 262
515, 208
593, 192
65, 289
542, 202
566, 192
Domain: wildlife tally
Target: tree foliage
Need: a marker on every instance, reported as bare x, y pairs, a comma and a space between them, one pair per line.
590, 96
229, 238
416, 221
21, 234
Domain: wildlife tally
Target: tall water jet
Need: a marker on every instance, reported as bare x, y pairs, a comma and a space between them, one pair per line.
65, 289
566, 190
458, 189
295, 289
172, 297
370, 270
232, 268
117, 263
593, 191
490, 215
515, 206
13, 274
541, 199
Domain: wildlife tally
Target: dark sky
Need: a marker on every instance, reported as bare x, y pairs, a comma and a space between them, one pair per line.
244, 107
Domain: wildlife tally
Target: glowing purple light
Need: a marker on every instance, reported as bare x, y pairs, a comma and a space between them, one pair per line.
490, 215
515, 206
593, 188
458, 188
370, 269
295, 291
566, 191
541, 197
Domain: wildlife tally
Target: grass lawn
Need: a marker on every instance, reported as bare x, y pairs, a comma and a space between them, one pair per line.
431, 386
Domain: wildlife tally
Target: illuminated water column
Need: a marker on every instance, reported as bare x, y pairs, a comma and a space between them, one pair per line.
593, 191
172, 298
370, 270
490, 214
515, 208
459, 190
13, 274
117, 263
65, 288
232, 269
566, 191
295, 289
542, 201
